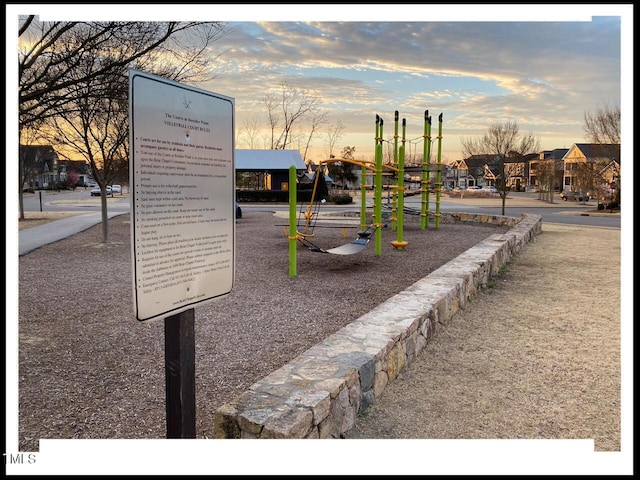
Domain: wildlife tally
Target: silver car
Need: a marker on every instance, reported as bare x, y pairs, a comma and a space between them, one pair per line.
95, 192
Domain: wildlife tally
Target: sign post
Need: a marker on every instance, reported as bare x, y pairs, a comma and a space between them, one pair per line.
180, 372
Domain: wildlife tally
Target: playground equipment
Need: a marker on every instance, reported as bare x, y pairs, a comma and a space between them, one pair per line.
397, 204
303, 232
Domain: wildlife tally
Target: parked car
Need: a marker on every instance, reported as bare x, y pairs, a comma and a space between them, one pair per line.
238, 211
575, 196
95, 192
490, 189
116, 189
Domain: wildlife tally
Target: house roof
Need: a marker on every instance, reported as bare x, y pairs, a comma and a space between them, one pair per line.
307, 177
555, 154
79, 165
597, 150
263, 160
38, 153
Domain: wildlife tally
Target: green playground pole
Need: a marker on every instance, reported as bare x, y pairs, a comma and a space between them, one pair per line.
399, 244
426, 167
293, 231
377, 211
363, 199
394, 191
439, 172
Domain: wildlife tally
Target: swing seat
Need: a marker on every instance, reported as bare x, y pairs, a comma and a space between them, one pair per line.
357, 246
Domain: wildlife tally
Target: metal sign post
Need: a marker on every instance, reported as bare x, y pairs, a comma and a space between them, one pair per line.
180, 367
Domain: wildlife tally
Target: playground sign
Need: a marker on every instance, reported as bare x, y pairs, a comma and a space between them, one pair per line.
182, 186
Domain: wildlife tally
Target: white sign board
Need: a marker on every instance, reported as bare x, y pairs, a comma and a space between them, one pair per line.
182, 194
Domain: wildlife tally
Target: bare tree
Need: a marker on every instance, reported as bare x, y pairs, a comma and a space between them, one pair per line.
250, 130
48, 51
73, 81
334, 134
317, 119
286, 110
584, 176
507, 146
602, 126
274, 119
546, 174
95, 126
53, 59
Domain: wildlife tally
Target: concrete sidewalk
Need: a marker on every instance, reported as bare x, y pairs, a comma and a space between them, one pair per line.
36, 237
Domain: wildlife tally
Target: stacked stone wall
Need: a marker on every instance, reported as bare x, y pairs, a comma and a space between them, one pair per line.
320, 393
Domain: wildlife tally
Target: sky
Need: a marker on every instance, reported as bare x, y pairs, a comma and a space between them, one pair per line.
543, 75
541, 65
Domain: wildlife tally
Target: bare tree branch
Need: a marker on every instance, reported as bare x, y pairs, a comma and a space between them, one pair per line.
49, 50
603, 125
286, 110
334, 134
250, 130
318, 118
73, 80
503, 141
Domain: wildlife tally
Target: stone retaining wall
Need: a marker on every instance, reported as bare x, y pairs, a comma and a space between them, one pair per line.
320, 393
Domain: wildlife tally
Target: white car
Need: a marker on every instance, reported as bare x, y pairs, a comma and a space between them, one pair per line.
490, 189
116, 189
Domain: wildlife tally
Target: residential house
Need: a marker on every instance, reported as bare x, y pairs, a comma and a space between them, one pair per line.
38, 166
556, 155
74, 171
413, 175
457, 174
476, 171
308, 176
518, 168
601, 159
487, 170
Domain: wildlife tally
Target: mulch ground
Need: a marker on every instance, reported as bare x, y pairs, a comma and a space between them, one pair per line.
89, 369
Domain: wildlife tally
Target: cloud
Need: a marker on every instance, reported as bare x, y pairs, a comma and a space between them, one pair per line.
476, 71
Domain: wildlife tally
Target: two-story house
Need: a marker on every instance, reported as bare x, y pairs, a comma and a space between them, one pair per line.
591, 165
551, 159
457, 174
38, 166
